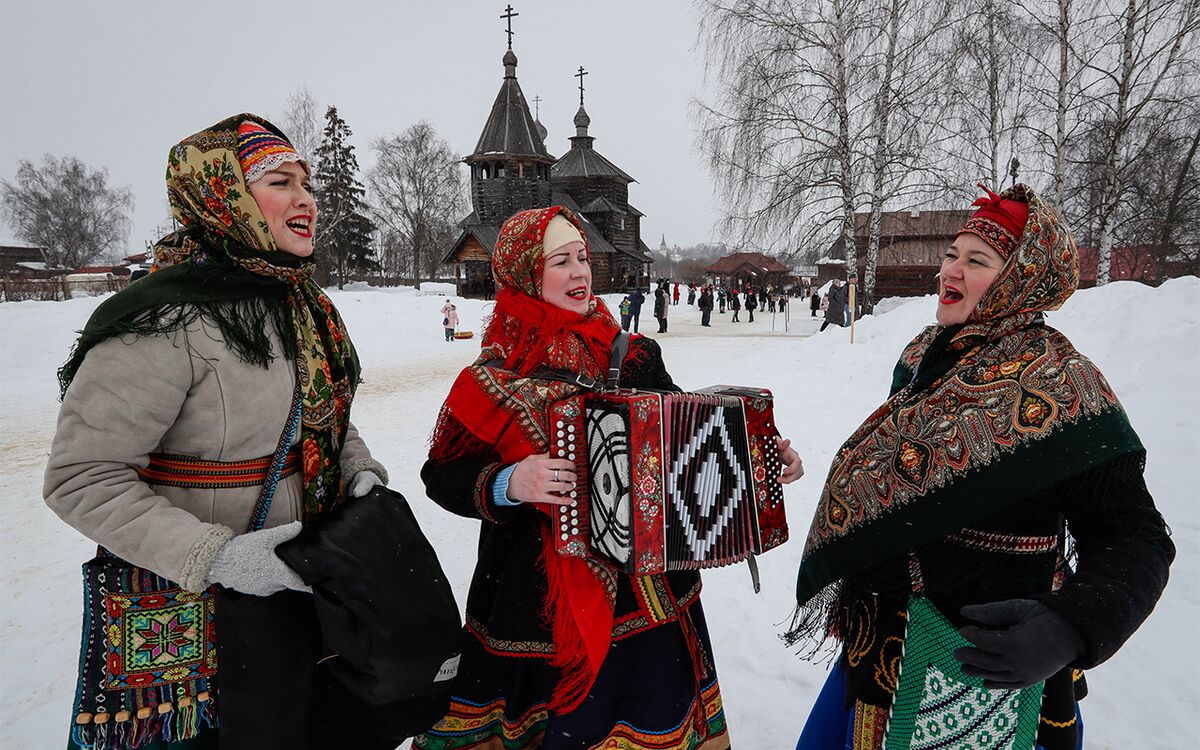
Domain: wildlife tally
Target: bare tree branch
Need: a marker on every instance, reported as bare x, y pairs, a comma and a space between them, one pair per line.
68, 209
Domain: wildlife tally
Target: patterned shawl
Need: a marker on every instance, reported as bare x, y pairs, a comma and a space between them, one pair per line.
223, 265
1012, 408
497, 401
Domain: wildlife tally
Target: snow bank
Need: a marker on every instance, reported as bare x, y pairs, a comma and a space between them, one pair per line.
445, 289
1147, 342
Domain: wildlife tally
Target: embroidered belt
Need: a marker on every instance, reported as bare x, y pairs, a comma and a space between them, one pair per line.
187, 471
1005, 543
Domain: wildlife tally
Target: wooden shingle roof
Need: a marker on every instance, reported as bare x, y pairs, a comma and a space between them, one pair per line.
510, 129
731, 263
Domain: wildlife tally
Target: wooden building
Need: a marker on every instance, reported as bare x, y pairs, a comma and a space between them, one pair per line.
911, 246
1125, 264
511, 171
601, 190
21, 259
749, 269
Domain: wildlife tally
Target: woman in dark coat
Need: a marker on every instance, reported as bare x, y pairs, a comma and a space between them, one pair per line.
735, 304
1002, 484
558, 651
706, 305
751, 303
835, 313
661, 302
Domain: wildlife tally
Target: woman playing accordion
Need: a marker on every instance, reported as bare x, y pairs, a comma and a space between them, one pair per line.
558, 650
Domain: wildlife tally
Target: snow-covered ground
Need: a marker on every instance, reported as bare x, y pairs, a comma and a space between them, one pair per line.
1147, 341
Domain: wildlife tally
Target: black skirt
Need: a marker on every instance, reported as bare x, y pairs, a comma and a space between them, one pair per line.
648, 694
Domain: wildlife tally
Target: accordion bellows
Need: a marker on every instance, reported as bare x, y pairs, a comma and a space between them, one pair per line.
670, 481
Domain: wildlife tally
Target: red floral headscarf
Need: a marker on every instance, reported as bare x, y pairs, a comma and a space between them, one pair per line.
498, 400
1042, 269
1000, 221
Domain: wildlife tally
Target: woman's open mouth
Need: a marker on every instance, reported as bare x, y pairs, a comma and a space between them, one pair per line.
579, 293
950, 295
301, 225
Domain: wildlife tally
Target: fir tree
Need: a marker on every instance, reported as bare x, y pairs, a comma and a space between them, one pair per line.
343, 243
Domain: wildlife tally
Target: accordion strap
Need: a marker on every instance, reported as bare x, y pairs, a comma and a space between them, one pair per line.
620, 347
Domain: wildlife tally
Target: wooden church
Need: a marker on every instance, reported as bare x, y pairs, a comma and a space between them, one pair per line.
511, 171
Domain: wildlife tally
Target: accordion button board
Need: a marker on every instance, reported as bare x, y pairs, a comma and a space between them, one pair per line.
670, 481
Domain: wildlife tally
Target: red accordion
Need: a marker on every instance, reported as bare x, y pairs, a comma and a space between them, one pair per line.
670, 481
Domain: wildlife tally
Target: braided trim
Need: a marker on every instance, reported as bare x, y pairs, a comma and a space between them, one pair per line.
482, 494
353, 466
200, 558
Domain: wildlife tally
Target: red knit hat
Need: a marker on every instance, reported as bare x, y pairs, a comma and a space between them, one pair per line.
999, 222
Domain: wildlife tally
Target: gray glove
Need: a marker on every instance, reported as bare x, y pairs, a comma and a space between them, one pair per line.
1025, 642
363, 482
248, 563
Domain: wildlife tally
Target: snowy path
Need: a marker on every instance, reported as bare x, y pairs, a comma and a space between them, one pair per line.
1146, 341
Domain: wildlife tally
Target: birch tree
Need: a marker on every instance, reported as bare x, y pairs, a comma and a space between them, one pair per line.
1159, 216
988, 126
1179, 232
1055, 90
783, 138
302, 123
911, 94
1143, 67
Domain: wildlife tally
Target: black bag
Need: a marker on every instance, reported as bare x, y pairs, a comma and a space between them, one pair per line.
384, 605
279, 693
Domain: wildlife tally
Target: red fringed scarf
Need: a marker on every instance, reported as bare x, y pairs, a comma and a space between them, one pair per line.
496, 402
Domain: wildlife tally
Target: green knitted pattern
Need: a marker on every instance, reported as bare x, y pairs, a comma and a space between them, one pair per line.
937, 707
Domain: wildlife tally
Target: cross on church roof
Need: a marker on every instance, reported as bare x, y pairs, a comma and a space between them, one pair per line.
508, 15
537, 109
580, 76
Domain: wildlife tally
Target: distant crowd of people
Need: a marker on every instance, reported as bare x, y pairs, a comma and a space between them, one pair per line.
734, 299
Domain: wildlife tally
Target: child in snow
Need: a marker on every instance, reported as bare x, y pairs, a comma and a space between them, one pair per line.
449, 319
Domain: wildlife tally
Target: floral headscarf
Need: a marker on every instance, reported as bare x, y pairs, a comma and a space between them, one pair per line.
981, 416
224, 265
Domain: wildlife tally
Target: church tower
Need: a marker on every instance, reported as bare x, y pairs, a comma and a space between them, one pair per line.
601, 190
510, 172
510, 167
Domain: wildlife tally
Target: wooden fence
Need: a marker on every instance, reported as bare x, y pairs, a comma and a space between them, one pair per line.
59, 288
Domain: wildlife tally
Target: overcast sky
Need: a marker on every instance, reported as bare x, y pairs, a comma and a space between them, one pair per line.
117, 82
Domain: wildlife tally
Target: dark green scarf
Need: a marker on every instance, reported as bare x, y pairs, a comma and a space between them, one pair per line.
244, 306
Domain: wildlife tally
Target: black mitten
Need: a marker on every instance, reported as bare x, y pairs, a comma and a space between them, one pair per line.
1024, 643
